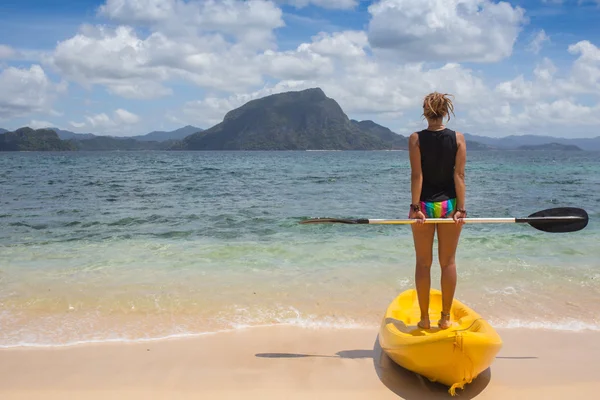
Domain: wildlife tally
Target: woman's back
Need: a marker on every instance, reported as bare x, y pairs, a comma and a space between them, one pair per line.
438, 155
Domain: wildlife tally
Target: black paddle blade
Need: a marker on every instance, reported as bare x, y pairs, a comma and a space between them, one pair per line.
558, 220
334, 220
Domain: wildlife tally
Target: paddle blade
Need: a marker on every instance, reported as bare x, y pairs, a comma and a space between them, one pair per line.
334, 220
558, 220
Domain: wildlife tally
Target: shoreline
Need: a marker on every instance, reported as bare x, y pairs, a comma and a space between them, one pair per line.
273, 362
583, 328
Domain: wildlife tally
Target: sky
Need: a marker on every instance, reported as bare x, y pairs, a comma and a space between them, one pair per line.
128, 67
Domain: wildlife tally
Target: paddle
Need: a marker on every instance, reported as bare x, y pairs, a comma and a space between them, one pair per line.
562, 219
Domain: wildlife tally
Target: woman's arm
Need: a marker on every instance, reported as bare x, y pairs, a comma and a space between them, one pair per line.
459, 171
416, 175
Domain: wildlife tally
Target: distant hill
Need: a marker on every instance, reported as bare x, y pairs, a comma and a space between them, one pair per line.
161, 136
473, 145
68, 135
3, 130
550, 146
155, 136
27, 139
301, 120
515, 141
396, 141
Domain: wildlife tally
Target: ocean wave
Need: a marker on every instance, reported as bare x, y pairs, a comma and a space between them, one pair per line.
32, 226
159, 219
304, 323
570, 325
186, 335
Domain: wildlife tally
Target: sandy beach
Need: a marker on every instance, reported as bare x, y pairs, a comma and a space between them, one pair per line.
290, 362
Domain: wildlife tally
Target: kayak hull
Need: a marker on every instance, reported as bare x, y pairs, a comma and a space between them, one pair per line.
454, 356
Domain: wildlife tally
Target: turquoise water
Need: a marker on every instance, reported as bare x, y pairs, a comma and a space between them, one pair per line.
141, 245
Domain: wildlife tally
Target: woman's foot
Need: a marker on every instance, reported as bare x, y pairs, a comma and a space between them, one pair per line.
444, 322
424, 323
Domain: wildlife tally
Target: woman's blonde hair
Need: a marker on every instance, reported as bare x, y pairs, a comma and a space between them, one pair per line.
437, 105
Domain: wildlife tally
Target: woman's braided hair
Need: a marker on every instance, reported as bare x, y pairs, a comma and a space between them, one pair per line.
437, 105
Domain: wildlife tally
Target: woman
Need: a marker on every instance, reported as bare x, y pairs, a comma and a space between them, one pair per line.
437, 160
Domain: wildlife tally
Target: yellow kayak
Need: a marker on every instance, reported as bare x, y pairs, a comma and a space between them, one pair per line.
454, 356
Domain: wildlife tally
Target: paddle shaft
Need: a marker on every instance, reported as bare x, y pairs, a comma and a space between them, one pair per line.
556, 220
468, 220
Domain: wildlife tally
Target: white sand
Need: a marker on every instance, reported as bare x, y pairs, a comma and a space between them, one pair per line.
287, 362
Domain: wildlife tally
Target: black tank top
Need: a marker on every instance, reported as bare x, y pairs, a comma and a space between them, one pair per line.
438, 155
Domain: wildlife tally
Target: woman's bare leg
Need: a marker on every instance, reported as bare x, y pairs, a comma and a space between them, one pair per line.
423, 238
448, 236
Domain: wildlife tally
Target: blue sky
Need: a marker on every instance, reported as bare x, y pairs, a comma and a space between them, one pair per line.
126, 67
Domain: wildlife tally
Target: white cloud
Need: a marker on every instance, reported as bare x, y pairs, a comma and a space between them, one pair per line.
25, 91
35, 124
324, 56
346, 44
135, 67
126, 117
444, 30
332, 4
143, 11
104, 124
251, 22
139, 89
6, 52
115, 58
516, 89
538, 41
296, 64
548, 101
545, 71
209, 111
585, 73
100, 121
583, 78
551, 116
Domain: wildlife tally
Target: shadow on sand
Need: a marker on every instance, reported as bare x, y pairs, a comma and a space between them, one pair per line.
406, 384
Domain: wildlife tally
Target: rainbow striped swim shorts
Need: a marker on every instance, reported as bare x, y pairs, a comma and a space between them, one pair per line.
438, 209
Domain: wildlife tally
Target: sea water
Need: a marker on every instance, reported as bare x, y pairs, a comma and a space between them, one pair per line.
101, 246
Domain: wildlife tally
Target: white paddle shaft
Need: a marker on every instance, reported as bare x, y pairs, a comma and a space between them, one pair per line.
443, 221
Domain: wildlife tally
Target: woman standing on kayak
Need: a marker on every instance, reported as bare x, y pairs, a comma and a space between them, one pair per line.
437, 160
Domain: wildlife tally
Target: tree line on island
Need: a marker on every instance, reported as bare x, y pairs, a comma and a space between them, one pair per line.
296, 120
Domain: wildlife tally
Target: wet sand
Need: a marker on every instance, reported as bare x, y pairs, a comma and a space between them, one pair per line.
286, 362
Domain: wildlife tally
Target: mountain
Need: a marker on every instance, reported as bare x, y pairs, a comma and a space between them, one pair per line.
472, 145
3, 130
396, 141
155, 136
301, 120
515, 141
27, 139
68, 135
161, 136
550, 146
